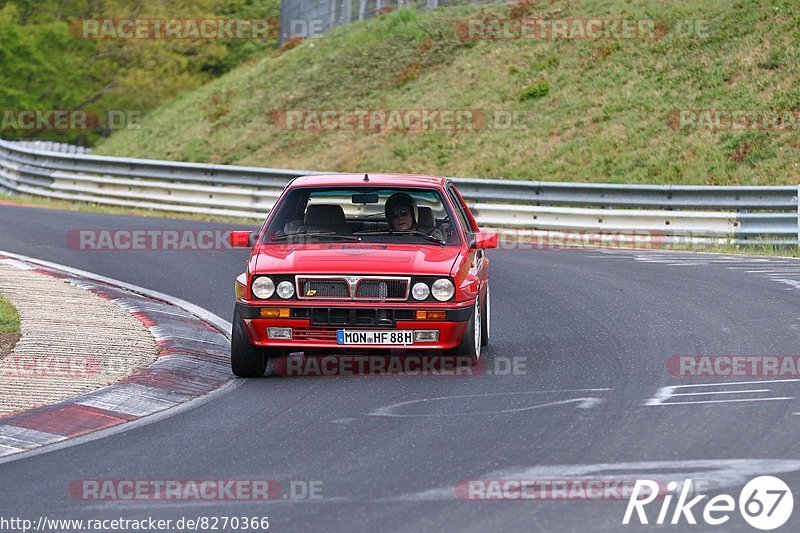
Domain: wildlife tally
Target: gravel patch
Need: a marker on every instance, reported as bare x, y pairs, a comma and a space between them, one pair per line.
71, 341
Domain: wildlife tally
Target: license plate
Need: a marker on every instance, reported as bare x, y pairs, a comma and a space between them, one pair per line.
402, 337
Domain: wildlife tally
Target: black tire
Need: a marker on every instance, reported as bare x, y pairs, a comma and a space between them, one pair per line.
469, 350
247, 361
486, 319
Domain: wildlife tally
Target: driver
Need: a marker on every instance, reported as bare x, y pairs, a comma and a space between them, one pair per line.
402, 214
401, 211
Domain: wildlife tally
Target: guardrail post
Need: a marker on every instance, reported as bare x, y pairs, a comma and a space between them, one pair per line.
798, 215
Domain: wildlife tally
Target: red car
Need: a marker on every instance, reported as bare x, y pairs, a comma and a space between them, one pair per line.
362, 263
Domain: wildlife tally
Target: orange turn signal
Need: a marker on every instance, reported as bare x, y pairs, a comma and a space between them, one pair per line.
431, 315
275, 312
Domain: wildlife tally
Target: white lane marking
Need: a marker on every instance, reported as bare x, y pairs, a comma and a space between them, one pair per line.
731, 401
26, 437
665, 393
785, 267
755, 269
738, 383
16, 264
773, 271
670, 261
583, 403
721, 392
764, 261
9, 450
793, 283
737, 261
730, 260
719, 472
588, 403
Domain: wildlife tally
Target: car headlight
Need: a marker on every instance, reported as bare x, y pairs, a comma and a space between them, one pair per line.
443, 289
285, 289
263, 287
420, 291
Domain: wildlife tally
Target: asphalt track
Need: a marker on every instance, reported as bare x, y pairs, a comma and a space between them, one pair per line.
594, 330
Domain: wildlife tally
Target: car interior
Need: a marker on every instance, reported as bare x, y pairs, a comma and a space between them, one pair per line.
311, 217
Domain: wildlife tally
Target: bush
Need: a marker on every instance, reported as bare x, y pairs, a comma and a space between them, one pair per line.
535, 91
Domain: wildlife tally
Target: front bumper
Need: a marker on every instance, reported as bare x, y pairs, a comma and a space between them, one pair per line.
317, 326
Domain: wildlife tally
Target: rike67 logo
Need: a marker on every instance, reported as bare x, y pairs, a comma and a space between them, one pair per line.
765, 503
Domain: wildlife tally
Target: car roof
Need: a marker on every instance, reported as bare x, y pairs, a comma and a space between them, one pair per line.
376, 180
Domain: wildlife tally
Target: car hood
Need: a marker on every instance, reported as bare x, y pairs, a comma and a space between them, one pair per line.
356, 259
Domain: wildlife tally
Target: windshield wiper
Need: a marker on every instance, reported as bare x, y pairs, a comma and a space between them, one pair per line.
414, 232
315, 234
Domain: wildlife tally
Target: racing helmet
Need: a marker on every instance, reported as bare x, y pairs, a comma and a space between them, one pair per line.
401, 199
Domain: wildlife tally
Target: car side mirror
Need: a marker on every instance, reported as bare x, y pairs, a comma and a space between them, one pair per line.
242, 239
483, 240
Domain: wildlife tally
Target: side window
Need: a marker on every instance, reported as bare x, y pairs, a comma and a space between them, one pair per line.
465, 210
289, 216
462, 217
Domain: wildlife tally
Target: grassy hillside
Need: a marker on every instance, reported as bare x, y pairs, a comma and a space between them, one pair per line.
46, 65
596, 110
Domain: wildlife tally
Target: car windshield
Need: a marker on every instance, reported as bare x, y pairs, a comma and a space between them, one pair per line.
363, 214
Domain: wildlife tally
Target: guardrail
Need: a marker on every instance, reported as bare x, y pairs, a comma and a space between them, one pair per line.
676, 213
53, 146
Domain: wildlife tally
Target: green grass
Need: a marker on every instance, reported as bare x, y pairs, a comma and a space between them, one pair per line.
742, 249
9, 318
597, 111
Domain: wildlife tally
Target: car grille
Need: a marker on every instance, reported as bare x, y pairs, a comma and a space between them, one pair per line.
352, 288
381, 289
323, 288
342, 316
314, 334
